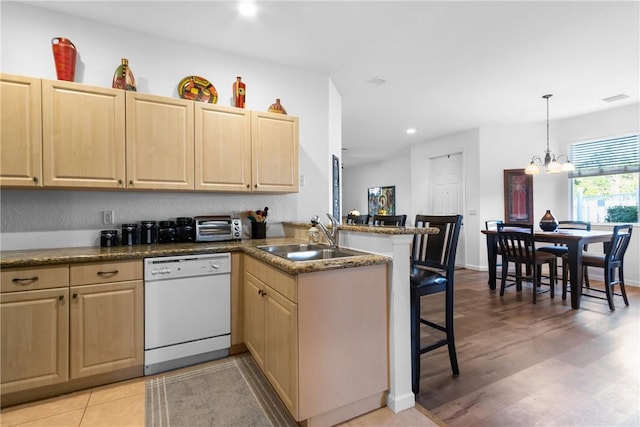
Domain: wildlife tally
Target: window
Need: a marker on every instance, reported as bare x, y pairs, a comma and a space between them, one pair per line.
605, 186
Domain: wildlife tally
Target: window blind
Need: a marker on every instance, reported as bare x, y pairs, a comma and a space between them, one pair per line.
606, 156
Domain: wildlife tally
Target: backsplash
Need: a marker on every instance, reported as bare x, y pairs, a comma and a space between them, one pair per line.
60, 218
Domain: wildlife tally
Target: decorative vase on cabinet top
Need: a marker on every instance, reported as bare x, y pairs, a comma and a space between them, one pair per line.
548, 222
64, 56
123, 77
277, 107
239, 93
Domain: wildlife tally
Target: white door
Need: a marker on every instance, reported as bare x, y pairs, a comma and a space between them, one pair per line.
446, 191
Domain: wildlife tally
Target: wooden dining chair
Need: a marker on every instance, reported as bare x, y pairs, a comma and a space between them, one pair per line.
611, 261
433, 260
358, 219
517, 246
558, 249
393, 220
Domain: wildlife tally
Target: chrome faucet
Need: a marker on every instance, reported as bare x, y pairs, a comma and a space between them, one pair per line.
332, 236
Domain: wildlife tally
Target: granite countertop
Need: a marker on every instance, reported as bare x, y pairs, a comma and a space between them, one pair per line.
43, 257
374, 229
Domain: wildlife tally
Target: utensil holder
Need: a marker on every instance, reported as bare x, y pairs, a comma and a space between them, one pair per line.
258, 230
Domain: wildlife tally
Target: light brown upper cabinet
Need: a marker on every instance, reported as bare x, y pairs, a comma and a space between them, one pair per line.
59, 134
274, 152
223, 148
20, 131
160, 143
83, 139
241, 150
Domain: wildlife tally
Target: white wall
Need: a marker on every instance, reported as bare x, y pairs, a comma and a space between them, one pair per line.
158, 66
487, 152
392, 172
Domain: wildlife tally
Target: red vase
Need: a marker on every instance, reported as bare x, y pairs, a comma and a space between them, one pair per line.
64, 55
239, 92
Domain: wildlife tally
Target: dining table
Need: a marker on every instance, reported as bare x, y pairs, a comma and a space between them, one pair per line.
574, 240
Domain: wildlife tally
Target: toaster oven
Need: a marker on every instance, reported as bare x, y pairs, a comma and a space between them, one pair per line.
217, 228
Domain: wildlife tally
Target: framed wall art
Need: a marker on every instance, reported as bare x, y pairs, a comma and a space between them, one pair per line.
518, 196
382, 200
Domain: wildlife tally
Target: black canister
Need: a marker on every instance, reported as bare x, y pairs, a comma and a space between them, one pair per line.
148, 232
129, 234
108, 238
166, 232
185, 231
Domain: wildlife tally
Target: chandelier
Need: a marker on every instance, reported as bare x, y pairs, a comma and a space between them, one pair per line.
550, 163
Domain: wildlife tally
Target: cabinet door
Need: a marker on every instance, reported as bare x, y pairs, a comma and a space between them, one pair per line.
159, 142
106, 328
274, 152
254, 317
83, 135
281, 347
20, 131
222, 148
35, 339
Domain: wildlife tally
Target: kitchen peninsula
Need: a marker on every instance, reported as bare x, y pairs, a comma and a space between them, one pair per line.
394, 242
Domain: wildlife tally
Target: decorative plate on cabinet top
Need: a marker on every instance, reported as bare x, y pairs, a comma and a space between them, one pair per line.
196, 88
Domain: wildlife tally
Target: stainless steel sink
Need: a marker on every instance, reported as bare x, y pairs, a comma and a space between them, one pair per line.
309, 251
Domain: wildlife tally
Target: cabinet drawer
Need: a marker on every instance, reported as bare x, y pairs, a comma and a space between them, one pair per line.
105, 272
278, 280
33, 278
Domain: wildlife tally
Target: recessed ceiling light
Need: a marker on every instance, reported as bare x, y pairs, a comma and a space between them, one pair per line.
410, 131
616, 98
247, 8
377, 81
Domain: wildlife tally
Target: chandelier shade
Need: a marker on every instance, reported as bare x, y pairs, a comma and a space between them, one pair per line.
549, 162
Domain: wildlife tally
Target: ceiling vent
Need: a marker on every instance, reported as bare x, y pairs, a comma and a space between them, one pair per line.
616, 98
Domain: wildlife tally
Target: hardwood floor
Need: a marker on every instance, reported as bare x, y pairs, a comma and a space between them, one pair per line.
523, 364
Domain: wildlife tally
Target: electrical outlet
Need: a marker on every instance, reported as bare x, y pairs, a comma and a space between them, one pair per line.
301, 180
107, 217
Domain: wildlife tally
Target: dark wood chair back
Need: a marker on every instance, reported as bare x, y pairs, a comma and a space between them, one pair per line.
615, 250
574, 225
437, 250
516, 244
394, 220
358, 219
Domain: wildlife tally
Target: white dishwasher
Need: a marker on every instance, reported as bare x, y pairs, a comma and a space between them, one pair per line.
187, 310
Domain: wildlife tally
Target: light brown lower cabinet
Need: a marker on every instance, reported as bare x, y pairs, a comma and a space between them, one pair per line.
271, 327
84, 328
320, 338
106, 328
35, 339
